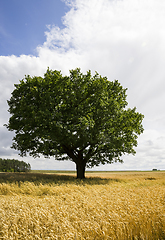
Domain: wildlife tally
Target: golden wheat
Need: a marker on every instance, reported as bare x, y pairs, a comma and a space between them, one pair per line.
119, 206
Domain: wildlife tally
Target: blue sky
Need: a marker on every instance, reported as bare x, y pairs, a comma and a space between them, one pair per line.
23, 23
121, 40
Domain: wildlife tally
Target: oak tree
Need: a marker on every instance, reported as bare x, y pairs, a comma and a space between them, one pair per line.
80, 117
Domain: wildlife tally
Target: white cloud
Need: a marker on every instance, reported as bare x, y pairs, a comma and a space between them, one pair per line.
121, 39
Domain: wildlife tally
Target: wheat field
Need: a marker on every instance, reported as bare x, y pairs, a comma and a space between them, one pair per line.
107, 205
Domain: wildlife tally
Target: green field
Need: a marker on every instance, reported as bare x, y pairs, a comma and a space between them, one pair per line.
105, 205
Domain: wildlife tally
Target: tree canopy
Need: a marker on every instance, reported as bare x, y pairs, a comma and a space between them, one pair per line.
12, 165
80, 117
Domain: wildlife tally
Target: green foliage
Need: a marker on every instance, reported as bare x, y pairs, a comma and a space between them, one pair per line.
79, 117
12, 165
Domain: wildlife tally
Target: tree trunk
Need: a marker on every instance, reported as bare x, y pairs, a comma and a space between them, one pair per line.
80, 166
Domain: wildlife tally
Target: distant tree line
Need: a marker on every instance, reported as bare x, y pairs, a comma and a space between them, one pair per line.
12, 165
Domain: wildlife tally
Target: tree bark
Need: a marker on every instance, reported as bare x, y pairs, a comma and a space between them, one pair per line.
80, 167
78, 159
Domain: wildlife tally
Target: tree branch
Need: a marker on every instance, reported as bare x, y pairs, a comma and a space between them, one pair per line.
70, 153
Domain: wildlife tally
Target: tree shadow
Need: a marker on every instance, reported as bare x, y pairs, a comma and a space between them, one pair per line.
46, 178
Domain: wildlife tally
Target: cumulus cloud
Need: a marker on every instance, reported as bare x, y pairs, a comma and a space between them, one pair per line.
120, 39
